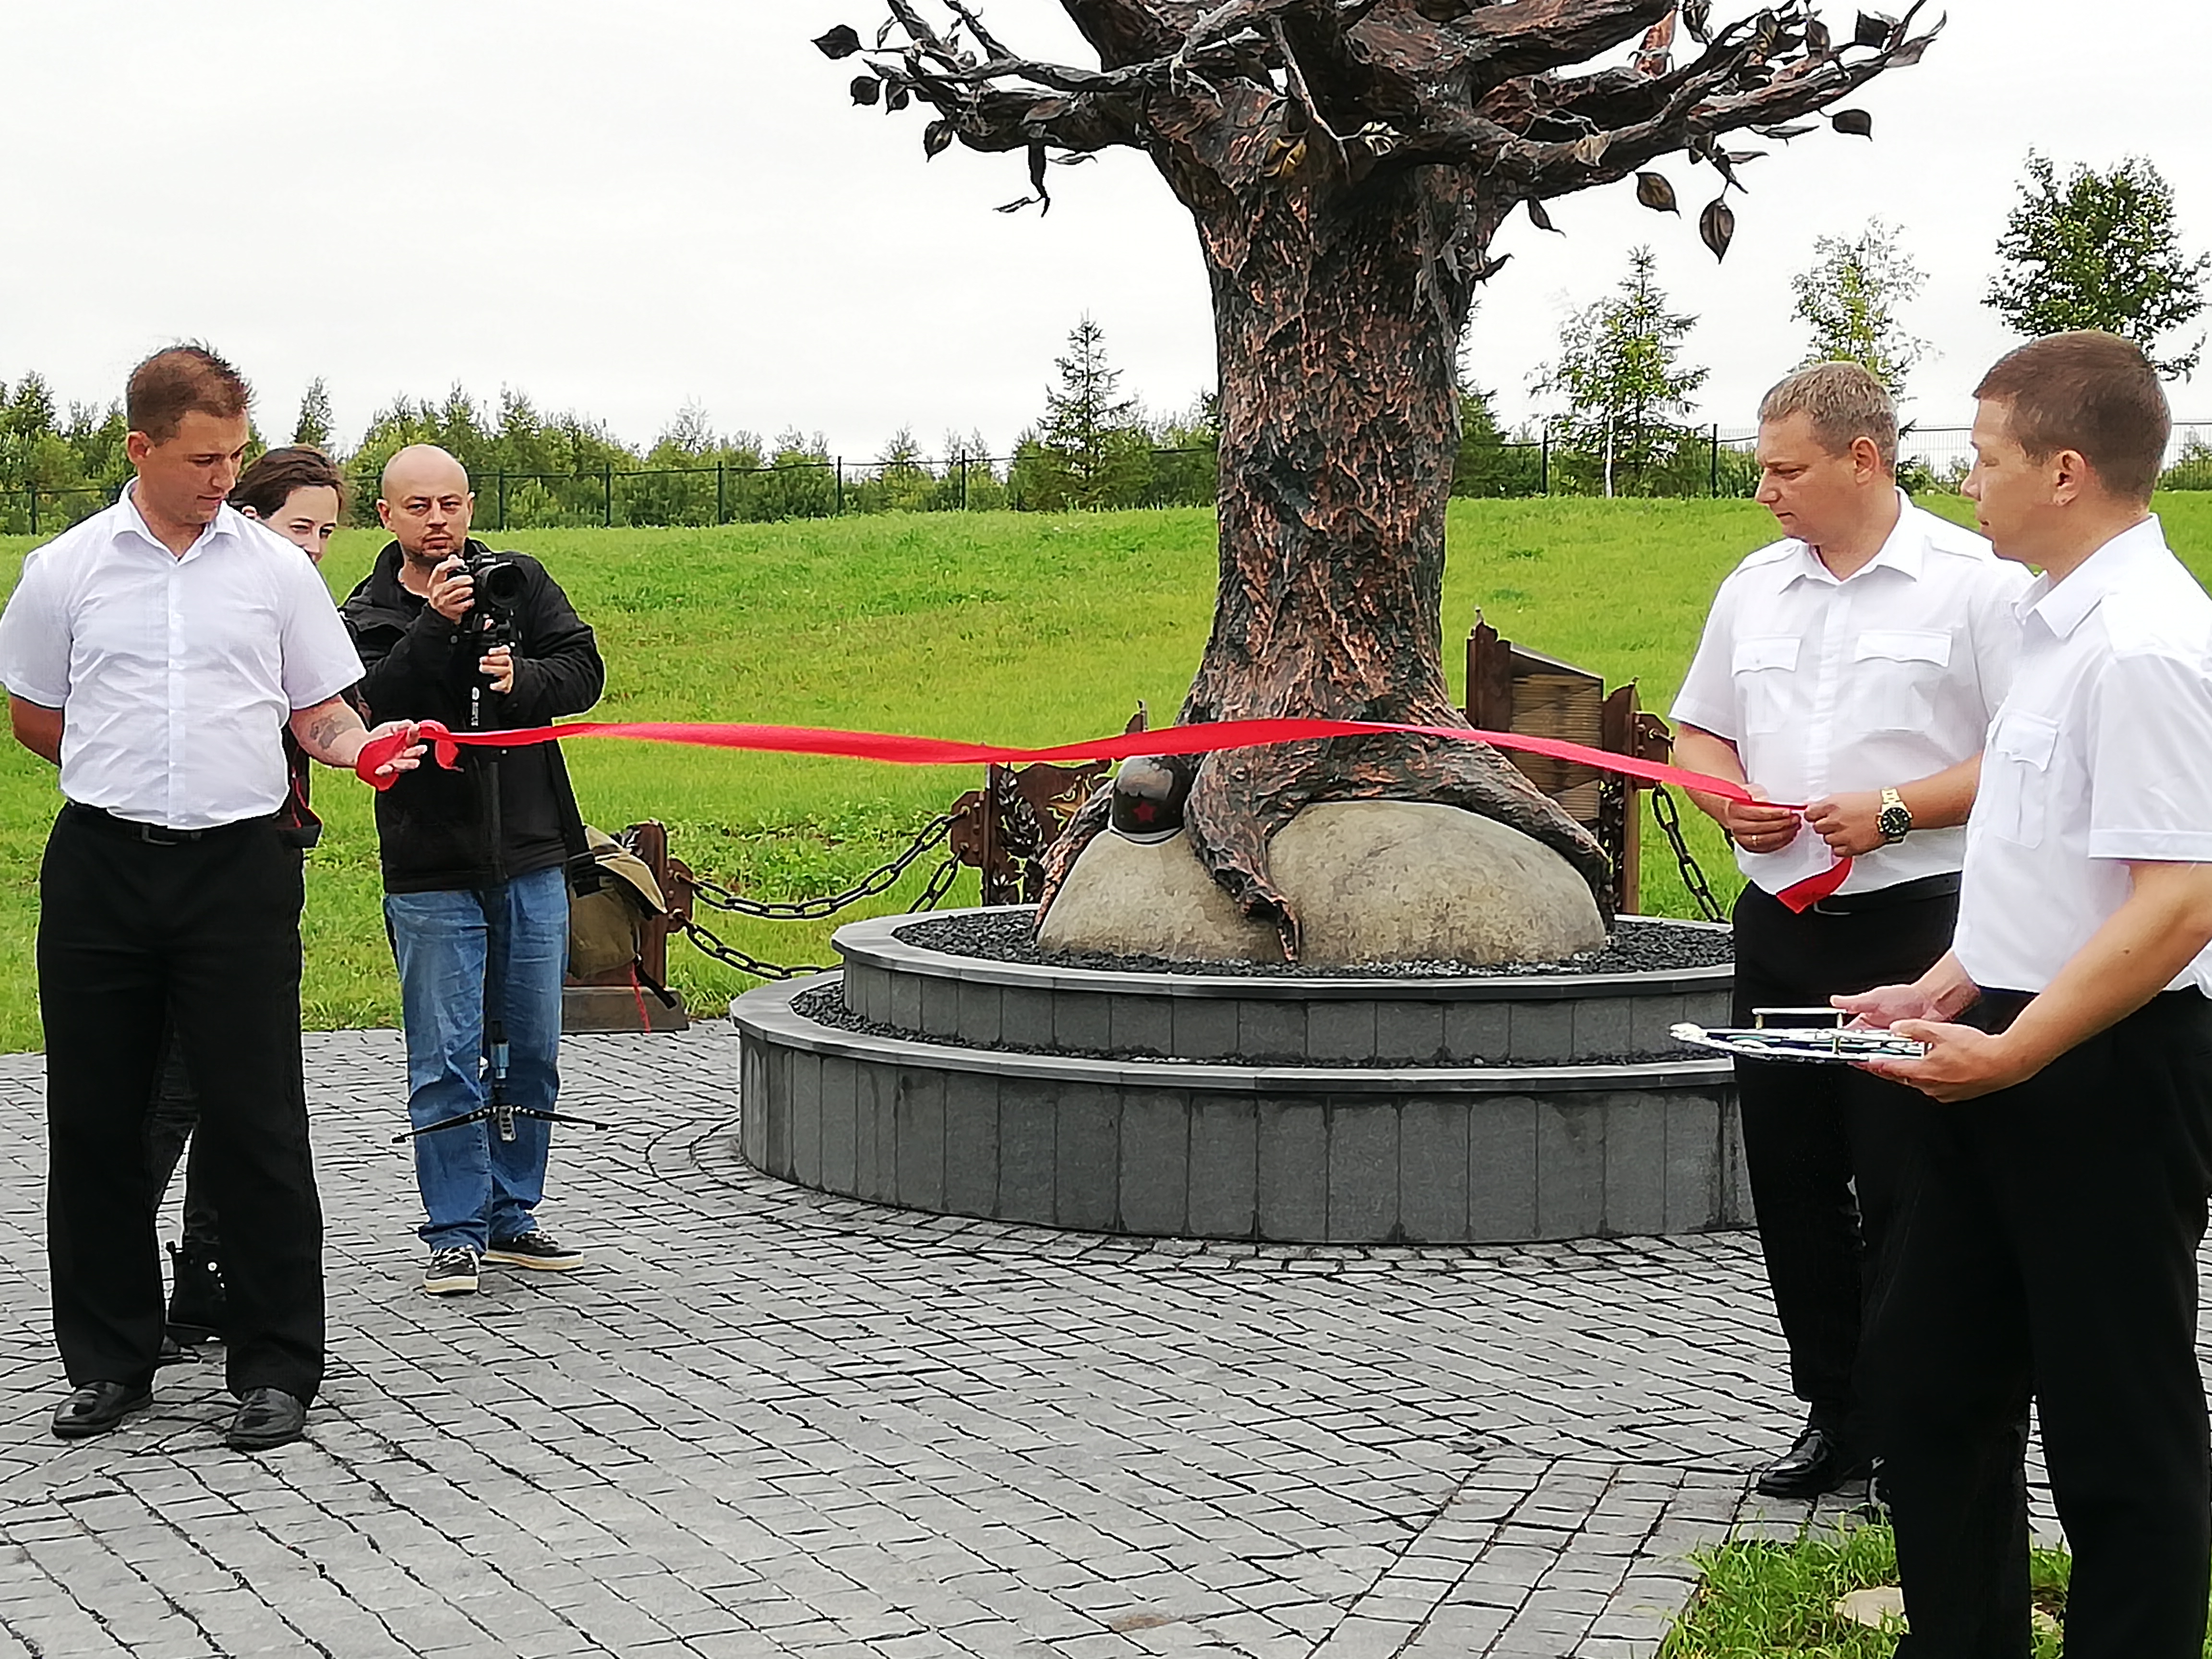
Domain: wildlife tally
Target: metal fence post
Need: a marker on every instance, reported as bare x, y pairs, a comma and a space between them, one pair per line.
964, 482
722, 492
608, 473
841, 486
1713, 486
32, 492
1544, 461
502, 498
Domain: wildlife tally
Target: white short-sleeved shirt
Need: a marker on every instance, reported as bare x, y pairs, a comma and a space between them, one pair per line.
1826, 686
2101, 756
175, 676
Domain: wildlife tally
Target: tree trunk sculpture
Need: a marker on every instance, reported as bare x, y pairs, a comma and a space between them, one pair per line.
1347, 163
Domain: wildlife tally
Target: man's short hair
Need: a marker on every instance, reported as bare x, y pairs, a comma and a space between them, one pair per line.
2092, 392
172, 383
1845, 404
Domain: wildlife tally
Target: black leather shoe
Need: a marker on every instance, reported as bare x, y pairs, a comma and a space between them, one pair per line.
1817, 1463
97, 1407
171, 1354
266, 1418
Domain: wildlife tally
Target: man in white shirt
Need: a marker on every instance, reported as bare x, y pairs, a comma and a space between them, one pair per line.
2052, 1248
1851, 668
155, 652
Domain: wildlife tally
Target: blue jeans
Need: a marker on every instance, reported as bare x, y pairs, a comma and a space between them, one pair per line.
498, 950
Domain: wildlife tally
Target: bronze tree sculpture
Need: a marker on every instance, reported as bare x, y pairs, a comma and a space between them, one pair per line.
1347, 163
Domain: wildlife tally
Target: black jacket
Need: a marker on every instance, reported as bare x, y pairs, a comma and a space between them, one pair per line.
434, 827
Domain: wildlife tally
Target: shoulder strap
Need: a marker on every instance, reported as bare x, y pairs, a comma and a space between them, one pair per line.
583, 869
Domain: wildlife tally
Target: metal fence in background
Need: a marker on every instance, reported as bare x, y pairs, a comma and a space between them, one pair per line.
1690, 462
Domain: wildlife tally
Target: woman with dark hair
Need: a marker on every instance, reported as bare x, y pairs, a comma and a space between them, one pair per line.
298, 492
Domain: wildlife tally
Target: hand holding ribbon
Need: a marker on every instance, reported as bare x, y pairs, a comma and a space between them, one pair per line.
388, 750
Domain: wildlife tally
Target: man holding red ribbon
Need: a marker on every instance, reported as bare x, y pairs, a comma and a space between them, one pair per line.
1853, 665
156, 651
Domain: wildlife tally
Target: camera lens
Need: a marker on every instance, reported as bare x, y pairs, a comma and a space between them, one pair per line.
500, 582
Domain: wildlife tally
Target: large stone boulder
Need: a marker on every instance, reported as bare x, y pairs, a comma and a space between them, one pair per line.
1373, 881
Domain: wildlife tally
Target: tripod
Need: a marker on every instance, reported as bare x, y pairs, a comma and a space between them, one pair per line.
500, 1111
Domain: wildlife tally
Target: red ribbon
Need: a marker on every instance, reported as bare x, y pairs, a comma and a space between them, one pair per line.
446, 745
1200, 739
1801, 896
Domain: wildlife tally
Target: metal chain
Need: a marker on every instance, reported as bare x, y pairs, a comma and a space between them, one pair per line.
1670, 825
817, 909
940, 884
731, 957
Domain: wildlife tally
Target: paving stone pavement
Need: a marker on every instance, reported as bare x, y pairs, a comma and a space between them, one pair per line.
765, 1421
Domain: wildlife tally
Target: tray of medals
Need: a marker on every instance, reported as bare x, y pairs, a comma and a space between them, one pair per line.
1820, 1036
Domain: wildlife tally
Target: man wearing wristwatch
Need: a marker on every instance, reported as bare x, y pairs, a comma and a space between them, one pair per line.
1855, 666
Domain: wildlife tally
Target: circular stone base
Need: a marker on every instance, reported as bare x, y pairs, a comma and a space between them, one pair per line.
1373, 880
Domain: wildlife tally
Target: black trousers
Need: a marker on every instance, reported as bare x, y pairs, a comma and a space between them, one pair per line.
169, 1124
2052, 1252
1830, 1149
207, 934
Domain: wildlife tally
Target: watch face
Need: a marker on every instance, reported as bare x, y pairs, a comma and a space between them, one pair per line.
1894, 823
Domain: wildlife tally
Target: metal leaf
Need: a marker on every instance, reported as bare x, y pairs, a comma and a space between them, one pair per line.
1591, 151
1784, 134
1036, 168
1697, 17
1540, 219
898, 97
1816, 38
1856, 121
1656, 193
1911, 52
1872, 29
1015, 207
841, 42
866, 88
1716, 227
936, 137
884, 33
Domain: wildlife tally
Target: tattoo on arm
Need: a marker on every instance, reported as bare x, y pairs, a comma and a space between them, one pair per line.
319, 729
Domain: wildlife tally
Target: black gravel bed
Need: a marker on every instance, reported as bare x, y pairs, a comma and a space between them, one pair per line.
1638, 945
826, 1005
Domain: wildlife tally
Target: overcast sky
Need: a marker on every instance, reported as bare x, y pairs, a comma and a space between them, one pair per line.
624, 209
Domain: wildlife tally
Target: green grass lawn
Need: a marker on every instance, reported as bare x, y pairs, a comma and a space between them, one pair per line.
1771, 1601
1023, 628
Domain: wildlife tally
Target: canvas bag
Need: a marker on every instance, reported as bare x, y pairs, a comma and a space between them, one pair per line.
608, 907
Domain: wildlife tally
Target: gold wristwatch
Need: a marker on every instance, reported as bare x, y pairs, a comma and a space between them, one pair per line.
1895, 818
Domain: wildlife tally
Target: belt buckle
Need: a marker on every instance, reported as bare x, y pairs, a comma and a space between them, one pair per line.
154, 834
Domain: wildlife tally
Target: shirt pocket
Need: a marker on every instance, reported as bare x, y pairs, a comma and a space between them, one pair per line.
2015, 787
1764, 670
1895, 673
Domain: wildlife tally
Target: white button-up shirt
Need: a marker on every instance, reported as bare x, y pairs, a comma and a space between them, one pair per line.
174, 675
1826, 686
2101, 756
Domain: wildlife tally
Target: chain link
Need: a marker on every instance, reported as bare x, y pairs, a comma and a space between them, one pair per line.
1670, 824
940, 884
730, 956
878, 880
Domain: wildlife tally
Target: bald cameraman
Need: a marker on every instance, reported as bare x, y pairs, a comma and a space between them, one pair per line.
475, 892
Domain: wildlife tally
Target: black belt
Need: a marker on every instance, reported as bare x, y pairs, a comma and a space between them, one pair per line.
1945, 886
154, 835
